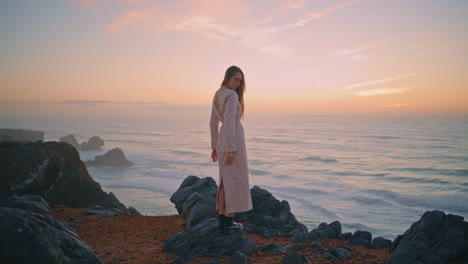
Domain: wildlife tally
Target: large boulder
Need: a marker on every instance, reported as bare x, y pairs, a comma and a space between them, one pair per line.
195, 199
113, 158
204, 239
271, 217
21, 135
94, 143
435, 238
51, 170
70, 139
28, 237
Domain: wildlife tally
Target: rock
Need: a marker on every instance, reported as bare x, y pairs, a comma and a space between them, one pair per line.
103, 214
53, 171
333, 230
32, 203
21, 135
340, 253
328, 256
203, 239
294, 258
70, 139
299, 234
238, 258
94, 143
361, 238
28, 237
315, 245
380, 242
195, 199
299, 247
274, 248
213, 262
183, 259
435, 238
113, 158
350, 249
346, 235
271, 217
133, 211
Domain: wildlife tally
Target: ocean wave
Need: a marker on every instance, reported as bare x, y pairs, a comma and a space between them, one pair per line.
450, 172
184, 152
319, 159
442, 147
418, 180
259, 172
370, 201
381, 137
279, 141
296, 190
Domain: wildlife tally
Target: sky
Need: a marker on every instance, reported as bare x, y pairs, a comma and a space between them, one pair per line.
316, 56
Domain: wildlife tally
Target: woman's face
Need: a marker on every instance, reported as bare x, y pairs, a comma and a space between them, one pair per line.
235, 81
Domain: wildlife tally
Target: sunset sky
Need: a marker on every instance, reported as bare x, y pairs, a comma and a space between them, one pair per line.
297, 56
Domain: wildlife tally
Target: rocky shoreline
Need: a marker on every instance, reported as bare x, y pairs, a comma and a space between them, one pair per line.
52, 211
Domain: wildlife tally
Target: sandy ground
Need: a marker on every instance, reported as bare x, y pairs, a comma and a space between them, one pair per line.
138, 239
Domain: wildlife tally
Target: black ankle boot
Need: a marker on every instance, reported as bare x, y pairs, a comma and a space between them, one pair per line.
221, 223
230, 224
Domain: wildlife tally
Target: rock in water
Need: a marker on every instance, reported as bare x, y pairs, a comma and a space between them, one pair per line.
435, 238
51, 170
94, 143
70, 139
27, 237
205, 240
113, 158
21, 135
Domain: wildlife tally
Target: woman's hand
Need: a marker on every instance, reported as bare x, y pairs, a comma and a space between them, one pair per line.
214, 155
229, 158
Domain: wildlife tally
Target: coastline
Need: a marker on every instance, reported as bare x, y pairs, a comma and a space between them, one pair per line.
138, 239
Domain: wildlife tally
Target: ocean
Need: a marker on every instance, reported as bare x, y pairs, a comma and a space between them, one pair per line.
377, 173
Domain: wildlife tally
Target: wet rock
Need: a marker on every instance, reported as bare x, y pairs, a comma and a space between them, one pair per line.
204, 239
21, 135
113, 158
380, 242
70, 139
28, 237
435, 238
53, 171
346, 236
94, 143
315, 245
328, 256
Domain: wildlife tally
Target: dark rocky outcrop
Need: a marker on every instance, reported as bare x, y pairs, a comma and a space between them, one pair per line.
53, 171
271, 217
28, 237
70, 139
361, 238
274, 248
204, 239
32, 203
21, 135
324, 230
294, 258
113, 158
380, 242
94, 143
435, 238
238, 258
195, 199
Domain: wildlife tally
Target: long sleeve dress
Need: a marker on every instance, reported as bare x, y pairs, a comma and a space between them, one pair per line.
230, 137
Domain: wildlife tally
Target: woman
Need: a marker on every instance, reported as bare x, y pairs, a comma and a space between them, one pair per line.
228, 148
